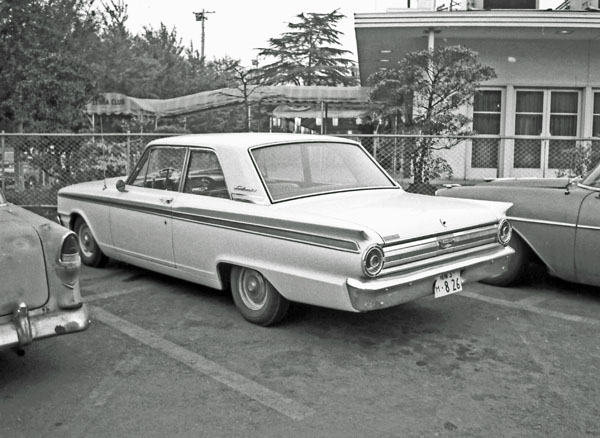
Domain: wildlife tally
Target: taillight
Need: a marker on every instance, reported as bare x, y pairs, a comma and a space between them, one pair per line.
67, 269
69, 251
372, 261
504, 232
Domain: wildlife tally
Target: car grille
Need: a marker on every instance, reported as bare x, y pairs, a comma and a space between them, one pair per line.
423, 252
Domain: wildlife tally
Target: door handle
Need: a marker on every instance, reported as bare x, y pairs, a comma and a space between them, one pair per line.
166, 201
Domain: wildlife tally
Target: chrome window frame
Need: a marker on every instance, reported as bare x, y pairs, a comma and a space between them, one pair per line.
186, 167
394, 185
146, 154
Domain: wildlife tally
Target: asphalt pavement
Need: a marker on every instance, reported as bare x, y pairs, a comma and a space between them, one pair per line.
167, 358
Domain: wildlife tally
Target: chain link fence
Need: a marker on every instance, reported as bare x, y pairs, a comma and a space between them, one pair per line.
35, 166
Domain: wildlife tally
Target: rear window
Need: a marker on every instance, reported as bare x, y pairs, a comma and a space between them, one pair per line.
302, 169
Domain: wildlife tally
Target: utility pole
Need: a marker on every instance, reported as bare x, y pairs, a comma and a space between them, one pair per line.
202, 16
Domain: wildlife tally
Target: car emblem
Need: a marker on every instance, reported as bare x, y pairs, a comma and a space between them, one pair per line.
445, 242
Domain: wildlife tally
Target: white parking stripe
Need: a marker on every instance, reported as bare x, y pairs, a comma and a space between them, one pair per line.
530, 308
111, 294
237, 382
532, 300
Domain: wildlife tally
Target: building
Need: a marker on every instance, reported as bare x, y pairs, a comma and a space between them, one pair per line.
547, 91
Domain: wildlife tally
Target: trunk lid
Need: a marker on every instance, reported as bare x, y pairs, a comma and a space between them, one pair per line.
397, 215
22, 265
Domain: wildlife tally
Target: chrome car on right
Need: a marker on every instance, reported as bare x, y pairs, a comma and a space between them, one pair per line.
556, 220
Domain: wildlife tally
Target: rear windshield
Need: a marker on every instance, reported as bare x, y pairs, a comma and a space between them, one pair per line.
302, 169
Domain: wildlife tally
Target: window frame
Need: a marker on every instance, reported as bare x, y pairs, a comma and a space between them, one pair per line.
146, 156
394, 184
501, 124
186, 169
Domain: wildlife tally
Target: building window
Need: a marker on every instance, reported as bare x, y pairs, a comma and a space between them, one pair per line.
528, 121
509, 4
564, 109
487, 110
545, 113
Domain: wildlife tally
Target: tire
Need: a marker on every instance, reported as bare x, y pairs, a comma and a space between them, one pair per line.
517, 264
256, 299
89, 251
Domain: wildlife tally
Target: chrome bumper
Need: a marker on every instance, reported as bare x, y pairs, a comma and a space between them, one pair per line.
385, 292
25, 328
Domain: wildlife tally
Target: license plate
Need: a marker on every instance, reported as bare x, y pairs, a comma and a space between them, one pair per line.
447, 283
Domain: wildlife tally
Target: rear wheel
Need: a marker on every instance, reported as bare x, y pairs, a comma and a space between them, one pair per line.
89, 250
517, 264
256, 299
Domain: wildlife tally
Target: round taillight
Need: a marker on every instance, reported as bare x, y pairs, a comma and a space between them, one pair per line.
504, 232
69, 250
372, 261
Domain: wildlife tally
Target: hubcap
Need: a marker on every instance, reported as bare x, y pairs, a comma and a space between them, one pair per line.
253, 289
86, 241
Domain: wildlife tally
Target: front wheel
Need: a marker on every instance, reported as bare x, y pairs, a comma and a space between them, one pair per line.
517, 264
90, 252
256, 299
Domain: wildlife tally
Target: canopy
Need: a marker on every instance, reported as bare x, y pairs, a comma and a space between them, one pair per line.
316, 112
115, 103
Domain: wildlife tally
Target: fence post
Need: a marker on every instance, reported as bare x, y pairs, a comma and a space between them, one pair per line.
128, 152
3, 160
375, 146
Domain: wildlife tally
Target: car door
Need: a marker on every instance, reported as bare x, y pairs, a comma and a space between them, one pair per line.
198, 217
587, 242
141, 221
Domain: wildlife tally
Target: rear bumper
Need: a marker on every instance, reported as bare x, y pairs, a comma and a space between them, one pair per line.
24, 328
385, 292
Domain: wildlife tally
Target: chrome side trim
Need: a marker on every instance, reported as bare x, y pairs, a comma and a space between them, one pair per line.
583, 186
543, 222
589, 227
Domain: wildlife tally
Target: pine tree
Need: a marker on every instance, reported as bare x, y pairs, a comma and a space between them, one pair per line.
308, 53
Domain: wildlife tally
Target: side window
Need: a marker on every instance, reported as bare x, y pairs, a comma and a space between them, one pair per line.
205, 176
162, 169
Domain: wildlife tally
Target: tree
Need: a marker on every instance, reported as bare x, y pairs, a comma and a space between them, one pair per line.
46, 47
307, 54
425, 96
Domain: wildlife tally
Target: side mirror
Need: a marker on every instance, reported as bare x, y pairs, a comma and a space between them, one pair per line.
121, 186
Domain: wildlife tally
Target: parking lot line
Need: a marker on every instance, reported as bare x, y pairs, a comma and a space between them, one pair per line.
531, 308
111, 294
237, 382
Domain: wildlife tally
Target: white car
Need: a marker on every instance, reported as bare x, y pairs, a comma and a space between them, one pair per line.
285, 217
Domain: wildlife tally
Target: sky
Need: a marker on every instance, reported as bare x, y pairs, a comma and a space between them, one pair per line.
237, 28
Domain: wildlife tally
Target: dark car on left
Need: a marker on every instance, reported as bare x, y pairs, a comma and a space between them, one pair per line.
39, 279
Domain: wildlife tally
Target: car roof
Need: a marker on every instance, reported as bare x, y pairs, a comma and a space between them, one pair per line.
243, 140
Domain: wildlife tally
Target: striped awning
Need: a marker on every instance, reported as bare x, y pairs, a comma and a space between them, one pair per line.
115, 103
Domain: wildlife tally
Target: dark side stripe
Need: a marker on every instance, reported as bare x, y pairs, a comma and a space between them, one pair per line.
223, 222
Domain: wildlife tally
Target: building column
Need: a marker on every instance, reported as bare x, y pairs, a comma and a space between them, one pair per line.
587, 109
431, 39
507, 146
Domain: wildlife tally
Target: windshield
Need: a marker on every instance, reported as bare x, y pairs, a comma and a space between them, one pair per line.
301, 169
593, 179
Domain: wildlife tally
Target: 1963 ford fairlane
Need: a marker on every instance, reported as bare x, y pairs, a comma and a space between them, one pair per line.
280, 218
